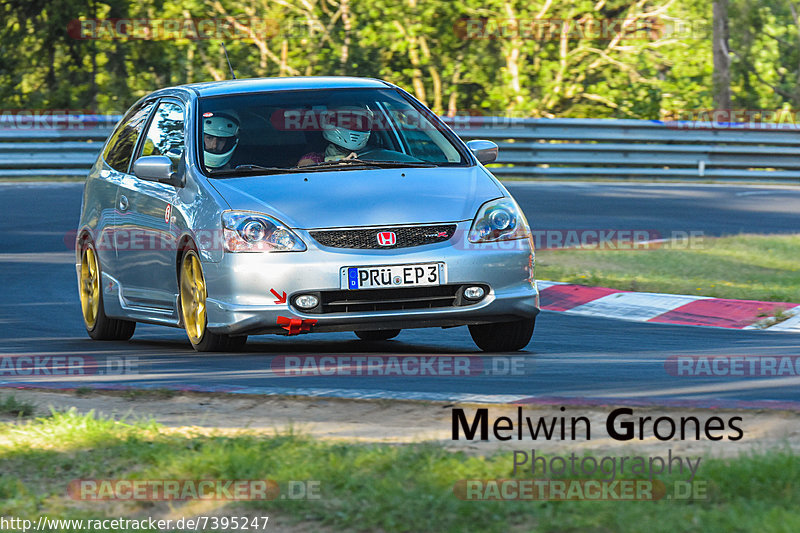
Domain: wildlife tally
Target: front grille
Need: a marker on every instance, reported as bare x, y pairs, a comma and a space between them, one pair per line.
367, 239
345, 301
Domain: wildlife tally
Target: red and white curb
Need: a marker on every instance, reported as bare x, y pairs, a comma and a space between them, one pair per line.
667, 308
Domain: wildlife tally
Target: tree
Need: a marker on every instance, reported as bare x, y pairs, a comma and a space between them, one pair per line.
540, 58
722, 73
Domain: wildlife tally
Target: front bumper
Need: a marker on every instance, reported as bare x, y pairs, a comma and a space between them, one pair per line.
242, 287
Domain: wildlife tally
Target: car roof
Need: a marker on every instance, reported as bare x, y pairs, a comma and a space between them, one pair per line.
254, 85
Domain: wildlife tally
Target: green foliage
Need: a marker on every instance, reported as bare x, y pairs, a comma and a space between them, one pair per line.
11, 406
454, 56
765, 46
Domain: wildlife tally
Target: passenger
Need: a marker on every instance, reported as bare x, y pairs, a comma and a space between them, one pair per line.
347, 130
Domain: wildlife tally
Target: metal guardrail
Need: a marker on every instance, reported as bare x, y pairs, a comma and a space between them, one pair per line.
40, 148
548, 148
586, 148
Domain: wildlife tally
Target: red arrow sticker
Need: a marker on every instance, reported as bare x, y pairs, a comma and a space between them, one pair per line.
281, 298
295, 326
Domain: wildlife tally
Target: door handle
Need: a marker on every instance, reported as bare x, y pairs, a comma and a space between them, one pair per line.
123, 203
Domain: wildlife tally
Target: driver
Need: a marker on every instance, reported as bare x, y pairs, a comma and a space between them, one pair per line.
220, 138
347, 130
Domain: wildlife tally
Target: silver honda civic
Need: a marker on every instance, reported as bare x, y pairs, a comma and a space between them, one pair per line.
300, 205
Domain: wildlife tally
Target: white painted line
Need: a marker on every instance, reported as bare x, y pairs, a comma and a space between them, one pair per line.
761, 324
638, 306
368, 394
790, 324
542, 284
43, 183
759, 193
610, 182
39, 257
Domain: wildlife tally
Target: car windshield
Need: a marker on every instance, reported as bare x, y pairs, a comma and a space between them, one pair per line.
320, 130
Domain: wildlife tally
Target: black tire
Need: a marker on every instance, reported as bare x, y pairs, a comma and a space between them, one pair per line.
378, 335
503, 336
213, 342
105, 328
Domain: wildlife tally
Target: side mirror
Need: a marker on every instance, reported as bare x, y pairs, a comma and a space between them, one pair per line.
485, 151
156, 168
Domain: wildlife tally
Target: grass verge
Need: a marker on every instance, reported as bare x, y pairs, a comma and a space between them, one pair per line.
11, 406
746, 267
363, 487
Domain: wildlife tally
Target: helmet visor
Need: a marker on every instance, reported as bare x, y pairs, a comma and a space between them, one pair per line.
218, 145
353, 119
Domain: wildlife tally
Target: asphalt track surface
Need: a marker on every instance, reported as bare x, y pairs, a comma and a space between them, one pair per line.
571, 359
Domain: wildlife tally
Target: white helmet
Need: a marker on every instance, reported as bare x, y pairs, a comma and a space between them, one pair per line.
348, 127
226, 129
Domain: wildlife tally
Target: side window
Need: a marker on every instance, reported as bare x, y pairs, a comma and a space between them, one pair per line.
165, 134
119, 148
422, 146
423, 140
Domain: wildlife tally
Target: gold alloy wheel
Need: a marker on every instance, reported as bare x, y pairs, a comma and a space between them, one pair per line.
90, 287
193, 297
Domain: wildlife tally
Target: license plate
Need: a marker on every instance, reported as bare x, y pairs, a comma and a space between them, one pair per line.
388, 276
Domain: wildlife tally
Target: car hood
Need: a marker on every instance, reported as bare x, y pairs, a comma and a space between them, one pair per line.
380, 197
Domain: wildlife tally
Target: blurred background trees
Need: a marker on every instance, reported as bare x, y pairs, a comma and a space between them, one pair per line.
646, 59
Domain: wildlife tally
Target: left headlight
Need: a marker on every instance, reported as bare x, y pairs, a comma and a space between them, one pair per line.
499, 220
253, 232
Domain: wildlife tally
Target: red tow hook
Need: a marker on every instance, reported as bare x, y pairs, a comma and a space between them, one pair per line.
296, 326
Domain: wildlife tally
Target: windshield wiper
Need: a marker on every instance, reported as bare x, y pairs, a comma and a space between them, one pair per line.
394, 164
354, 164
250, 169
367, 163
338, 162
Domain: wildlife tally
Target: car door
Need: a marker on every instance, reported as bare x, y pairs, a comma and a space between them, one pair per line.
146, 263
117, 156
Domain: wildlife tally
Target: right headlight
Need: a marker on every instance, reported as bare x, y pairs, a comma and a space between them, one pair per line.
253, 232
499, 220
